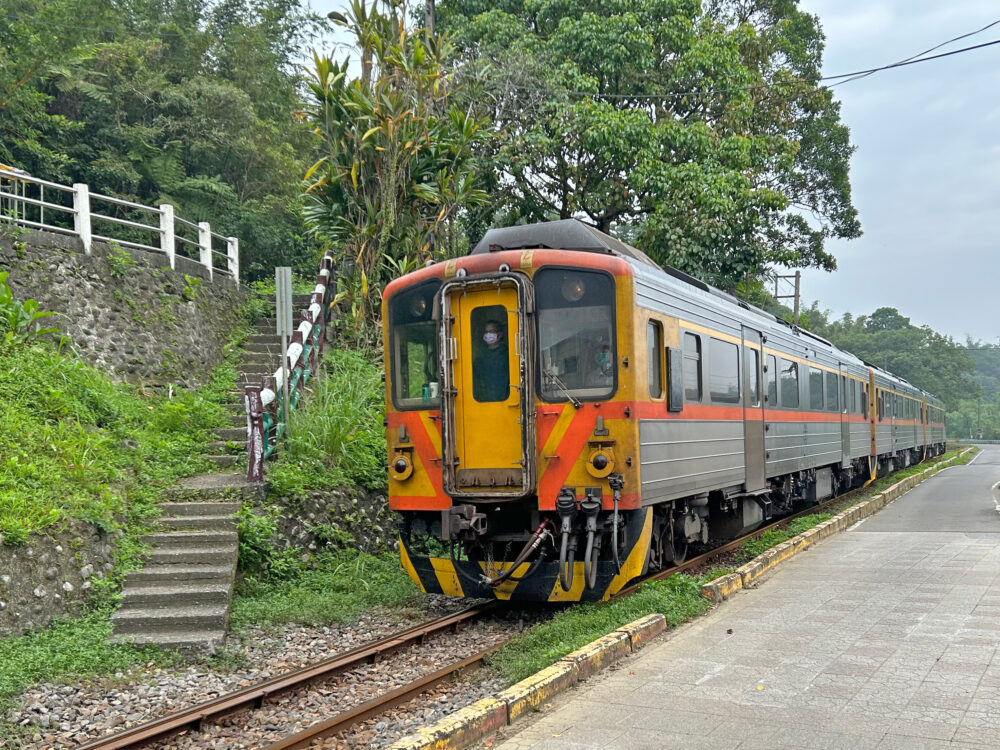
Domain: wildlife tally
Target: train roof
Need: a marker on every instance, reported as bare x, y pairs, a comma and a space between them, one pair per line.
565, 234
573, 234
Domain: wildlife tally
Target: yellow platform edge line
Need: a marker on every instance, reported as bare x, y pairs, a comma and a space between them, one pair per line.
475, 723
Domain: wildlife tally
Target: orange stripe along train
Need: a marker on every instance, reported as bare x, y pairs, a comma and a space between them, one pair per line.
564, 415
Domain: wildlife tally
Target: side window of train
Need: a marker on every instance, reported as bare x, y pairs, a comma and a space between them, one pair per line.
864, 401
654, 351
724, 372
815, 389
789, 384
847, 388
772, 382
832, 398
692, 367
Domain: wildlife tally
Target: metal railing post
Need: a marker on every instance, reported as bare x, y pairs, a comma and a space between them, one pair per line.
205, 245
81, 216
255, 434
233, 251
168, 242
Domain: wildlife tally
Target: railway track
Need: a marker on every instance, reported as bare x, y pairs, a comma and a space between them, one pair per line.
257, 695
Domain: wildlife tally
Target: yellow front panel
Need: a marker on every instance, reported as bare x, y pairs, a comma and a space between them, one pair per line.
488, 431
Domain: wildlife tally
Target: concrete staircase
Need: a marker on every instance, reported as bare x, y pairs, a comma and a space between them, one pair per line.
181, 598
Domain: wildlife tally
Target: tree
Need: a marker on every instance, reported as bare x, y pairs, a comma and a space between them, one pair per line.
701, 135
188, 102
397, 167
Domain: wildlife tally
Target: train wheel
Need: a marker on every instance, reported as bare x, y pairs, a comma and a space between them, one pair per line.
673, 548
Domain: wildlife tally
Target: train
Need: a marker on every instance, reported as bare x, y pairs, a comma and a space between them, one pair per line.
563, 415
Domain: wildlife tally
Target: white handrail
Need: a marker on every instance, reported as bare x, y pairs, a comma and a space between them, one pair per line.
16, 204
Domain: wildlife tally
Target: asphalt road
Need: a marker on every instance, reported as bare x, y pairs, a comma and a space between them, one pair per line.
955, 499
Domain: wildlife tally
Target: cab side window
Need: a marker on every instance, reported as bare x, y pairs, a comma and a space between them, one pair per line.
692, 367
654, 351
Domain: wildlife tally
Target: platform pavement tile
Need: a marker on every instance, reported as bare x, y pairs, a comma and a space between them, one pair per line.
741, 730
672, 721
984, 735
906, 742
797, 735
644, 739
588, 713
942, 695
988, 705
934, 730
579, 736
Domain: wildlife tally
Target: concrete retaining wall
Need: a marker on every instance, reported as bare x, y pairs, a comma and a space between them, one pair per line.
125, 311
50, 575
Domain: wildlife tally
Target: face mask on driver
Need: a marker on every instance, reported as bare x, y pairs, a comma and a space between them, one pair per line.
490, 338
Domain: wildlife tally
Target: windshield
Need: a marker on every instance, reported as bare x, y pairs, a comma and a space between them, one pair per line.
414, 348
576, 341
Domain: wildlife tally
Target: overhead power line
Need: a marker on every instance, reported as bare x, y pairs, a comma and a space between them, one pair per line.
927, 51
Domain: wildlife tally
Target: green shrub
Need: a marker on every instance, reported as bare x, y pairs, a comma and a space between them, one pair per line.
19, 321
336, 589
338, 436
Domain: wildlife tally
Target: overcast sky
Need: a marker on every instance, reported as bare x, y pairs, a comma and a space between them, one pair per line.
926, 174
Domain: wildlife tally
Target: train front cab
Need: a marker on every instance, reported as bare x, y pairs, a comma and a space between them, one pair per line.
509, 422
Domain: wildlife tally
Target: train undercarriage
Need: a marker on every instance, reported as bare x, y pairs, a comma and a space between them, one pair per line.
584, 552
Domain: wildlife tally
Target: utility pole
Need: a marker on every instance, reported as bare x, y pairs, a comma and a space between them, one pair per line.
797, 277
429, 17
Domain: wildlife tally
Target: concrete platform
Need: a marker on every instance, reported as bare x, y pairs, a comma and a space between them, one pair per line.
885, 636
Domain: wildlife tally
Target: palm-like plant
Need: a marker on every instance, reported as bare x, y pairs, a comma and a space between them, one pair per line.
398, 163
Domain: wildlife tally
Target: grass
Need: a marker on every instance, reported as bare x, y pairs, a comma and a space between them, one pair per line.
337, 435
68, 649
338, 589
678, 598
77, 446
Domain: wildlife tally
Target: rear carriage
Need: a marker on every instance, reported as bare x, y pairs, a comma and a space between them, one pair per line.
563, 414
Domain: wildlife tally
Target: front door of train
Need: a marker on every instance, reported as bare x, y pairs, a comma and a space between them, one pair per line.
487, 399
753, 411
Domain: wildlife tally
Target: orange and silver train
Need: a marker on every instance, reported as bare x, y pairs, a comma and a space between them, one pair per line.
564, 415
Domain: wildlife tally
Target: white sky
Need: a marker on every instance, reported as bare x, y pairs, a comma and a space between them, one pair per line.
926, 174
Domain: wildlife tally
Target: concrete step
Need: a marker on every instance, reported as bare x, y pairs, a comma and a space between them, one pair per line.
236, 407
262, 368
173, 573
264, 338
162, 594
232, 433
199, 523
223, 461
237, 420
271, 349
158, 620
235, 447
199, 509
193, 556
183, 640
162, 540
297, 299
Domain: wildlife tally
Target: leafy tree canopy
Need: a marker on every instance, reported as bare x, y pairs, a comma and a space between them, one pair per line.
190, 102
698, 131
926, 358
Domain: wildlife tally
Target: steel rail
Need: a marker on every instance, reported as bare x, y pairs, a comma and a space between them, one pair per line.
375, 706
254, 696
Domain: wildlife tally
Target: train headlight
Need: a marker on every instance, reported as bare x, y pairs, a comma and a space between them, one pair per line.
601, 463
400, 468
